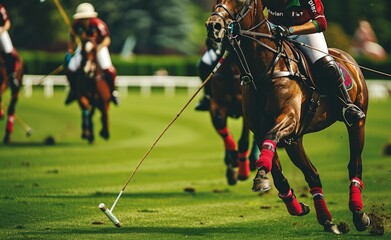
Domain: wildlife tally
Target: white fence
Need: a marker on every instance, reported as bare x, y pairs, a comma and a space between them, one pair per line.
377, 88
145, 83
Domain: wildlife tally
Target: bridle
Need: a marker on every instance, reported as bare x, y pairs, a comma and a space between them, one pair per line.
233, 31
235, 17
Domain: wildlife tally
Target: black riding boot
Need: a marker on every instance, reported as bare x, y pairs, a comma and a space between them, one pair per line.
204, 71
328, 70
110, 75
71, 76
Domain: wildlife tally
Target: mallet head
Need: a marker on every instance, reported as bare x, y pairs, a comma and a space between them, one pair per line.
110, 215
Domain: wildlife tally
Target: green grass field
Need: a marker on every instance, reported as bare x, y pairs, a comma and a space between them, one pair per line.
53, 191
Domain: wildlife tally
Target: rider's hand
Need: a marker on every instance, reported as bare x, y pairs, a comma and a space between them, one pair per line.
281, 32
67, 58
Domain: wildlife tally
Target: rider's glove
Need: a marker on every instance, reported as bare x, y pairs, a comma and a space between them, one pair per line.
281, 32
67, 58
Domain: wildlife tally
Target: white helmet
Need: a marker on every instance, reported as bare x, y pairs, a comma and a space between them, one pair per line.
85, 10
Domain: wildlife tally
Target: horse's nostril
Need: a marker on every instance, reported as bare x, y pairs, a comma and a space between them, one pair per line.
217, 26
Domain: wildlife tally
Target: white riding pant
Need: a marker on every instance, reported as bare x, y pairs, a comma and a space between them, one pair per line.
102, 56
6, 43
316, 41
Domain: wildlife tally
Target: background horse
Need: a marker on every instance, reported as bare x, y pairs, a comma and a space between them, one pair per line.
92, 92
226, 101
281, 108
13, 80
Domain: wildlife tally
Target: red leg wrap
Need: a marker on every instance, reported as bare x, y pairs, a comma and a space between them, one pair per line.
322, 212
229, 141
292, 205
10, 123
243, 155
355, 201
266, 156
244, 168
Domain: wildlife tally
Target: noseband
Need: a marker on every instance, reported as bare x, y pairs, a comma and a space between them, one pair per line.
235, 17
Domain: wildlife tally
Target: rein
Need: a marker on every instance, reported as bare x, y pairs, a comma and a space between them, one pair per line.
234, 31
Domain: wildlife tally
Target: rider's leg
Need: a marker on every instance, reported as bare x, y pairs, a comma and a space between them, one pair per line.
11, 58
110, 75
330, 71
71, 68
104, 61
71, 77
204, 71
205, 67
12, 63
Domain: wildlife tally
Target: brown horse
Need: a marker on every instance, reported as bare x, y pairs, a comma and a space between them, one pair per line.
92, 92
280, 106
226, 101
11, 75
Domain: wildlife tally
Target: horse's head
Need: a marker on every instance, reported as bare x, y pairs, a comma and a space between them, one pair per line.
225, 13
88, 52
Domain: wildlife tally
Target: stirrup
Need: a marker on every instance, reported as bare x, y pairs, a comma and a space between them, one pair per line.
352, 114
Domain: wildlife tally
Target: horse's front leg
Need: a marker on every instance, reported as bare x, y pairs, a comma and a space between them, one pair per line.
104, 109
356, 141
219, 120
285, 123
243, 153
298, 156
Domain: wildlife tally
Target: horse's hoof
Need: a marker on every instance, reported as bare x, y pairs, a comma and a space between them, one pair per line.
331, 227
231, 176
104, 134
6, 140
261, 182
361, 221
305, 209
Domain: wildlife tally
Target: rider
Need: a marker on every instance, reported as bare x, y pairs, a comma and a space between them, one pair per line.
87, 25
10, 55
205, 67
304, 21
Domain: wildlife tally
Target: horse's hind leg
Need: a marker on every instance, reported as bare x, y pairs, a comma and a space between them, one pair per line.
356, 141
11, 113
298, 156
243, 145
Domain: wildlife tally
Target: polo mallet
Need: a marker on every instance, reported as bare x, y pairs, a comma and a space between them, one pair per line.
24, 125
102, 206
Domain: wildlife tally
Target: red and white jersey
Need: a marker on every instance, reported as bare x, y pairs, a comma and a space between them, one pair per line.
296, 12
96, 29
3, 15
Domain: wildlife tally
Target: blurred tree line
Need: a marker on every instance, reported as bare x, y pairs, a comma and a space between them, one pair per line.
167, 26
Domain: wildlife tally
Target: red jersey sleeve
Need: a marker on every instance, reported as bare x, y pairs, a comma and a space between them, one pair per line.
101, 27
316, 10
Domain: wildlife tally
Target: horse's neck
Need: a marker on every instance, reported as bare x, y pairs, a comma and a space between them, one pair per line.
258, 56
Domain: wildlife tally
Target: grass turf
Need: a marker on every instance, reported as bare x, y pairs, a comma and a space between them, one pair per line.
53, 191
